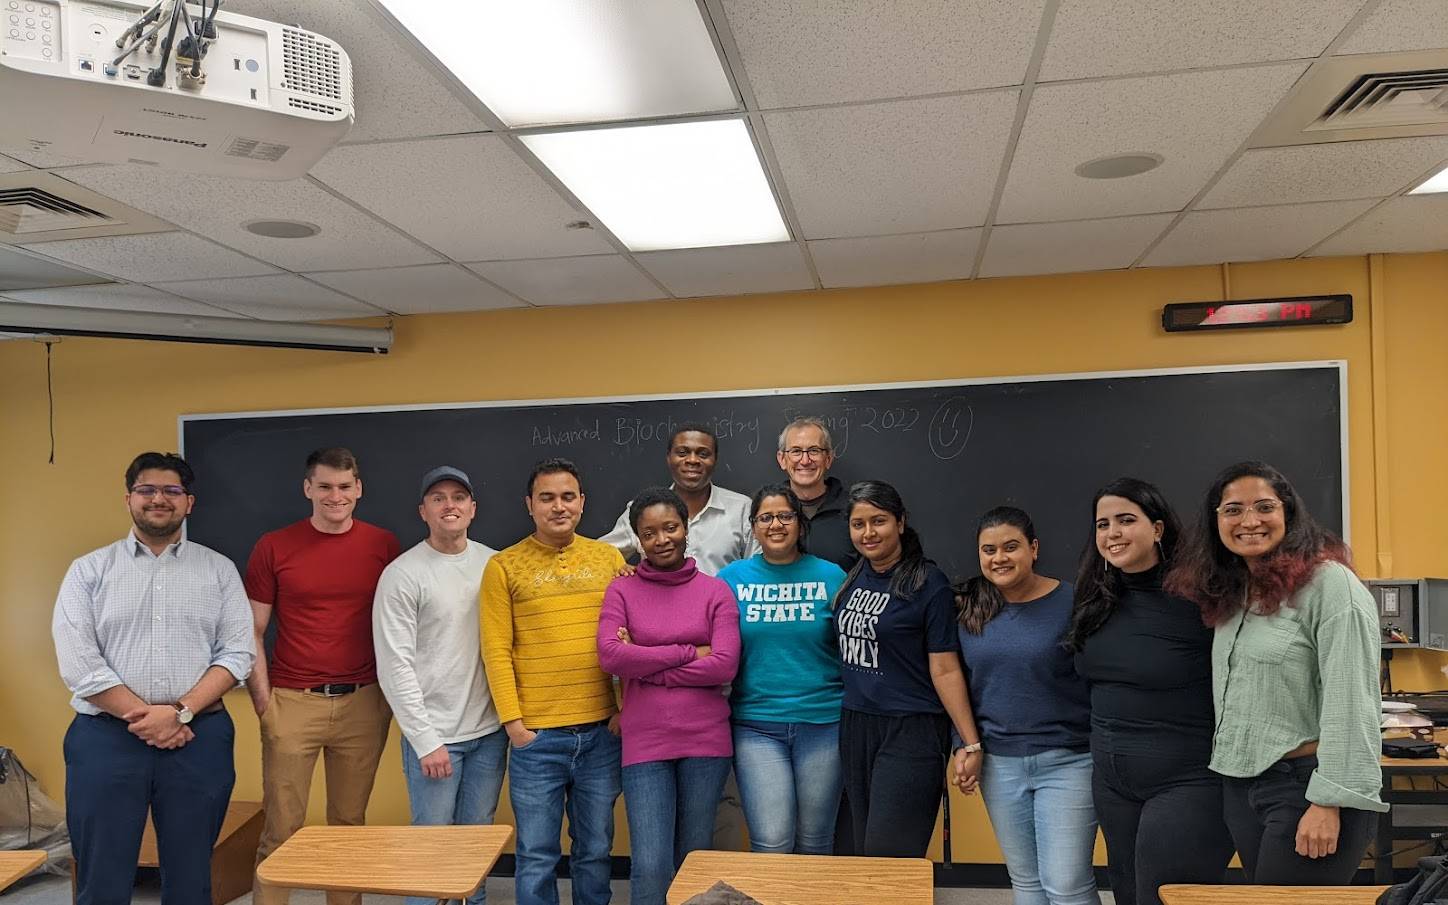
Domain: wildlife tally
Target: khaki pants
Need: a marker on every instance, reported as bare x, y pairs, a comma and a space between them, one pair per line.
350, 732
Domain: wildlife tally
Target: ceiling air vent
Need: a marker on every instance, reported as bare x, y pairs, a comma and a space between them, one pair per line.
1389, 99
1363, 96
31, 210
39, 207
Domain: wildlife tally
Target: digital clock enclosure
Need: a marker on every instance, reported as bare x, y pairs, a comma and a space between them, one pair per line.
1297, 311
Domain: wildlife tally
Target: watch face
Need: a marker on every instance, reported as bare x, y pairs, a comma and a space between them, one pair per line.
183, 715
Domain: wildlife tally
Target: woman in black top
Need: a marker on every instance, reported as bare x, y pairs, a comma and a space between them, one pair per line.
1147, 656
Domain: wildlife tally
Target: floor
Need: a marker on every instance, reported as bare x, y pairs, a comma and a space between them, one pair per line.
56, 891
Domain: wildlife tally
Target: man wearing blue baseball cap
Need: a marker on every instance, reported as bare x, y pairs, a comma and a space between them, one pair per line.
429, 663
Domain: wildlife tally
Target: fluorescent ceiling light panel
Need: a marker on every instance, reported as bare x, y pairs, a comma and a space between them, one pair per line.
678, 185
1438, 183
552, 62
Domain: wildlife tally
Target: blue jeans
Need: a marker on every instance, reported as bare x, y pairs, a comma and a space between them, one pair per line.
573, 769
671, 806
468, 796
789, 782
1040, 807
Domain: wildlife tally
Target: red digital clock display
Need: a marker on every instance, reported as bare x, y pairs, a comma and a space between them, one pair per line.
1298, 311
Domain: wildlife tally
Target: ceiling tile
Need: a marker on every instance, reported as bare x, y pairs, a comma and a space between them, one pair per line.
118, 297
1030, 248
1118, 37
1400, 25
1251, 233
22, 270
822, 53
472, 198
419, 290
885, 260
571, 281
1408, 224
397, 94
282, 298
1326, 172
905, 166
217, 208
733, 270
153, 257
1193, 120
9, 165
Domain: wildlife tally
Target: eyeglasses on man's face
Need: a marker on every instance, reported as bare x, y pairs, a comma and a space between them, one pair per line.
1233, 512
170, 491
796, 453
766, 518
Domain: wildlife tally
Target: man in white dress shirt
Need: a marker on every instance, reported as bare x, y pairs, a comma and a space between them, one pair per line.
149, 632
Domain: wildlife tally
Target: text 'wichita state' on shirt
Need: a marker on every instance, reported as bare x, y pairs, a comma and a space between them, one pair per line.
540, 609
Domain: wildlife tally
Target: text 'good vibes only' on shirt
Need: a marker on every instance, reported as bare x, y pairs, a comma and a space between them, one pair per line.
886, 640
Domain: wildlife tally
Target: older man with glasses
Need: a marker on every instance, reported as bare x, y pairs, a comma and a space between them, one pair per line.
806, 454
149, 632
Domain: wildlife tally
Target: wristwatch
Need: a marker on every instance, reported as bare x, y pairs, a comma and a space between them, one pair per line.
183, 713
970, 749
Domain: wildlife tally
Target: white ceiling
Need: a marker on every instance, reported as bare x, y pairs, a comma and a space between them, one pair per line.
907, 141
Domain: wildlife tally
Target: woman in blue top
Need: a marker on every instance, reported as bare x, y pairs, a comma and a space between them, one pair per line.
1034, 713
895, 618
786, 698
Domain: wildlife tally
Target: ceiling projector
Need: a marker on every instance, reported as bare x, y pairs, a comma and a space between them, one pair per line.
177, 85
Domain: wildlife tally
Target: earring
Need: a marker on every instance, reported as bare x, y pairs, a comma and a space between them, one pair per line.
1160, 553
1105, 566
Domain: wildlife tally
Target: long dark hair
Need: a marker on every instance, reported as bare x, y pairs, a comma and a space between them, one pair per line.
978, 599
1098, 585
782, 489
1218, 581
909, 575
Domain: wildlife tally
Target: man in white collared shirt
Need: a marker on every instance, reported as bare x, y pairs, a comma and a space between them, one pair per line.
719, 529
149, 632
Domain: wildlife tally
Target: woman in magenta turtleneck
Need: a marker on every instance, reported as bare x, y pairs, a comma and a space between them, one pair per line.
671, 633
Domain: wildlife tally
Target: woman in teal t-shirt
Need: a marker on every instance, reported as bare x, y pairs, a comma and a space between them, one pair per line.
786, 698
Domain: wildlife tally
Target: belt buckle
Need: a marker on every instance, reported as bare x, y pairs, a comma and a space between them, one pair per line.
327, 691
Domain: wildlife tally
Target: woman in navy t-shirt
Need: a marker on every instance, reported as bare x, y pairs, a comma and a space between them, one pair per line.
895, 621
1034, 713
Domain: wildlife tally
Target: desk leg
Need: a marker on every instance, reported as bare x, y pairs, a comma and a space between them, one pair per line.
1383, 855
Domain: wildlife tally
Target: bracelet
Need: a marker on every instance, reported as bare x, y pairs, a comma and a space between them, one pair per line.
971, 749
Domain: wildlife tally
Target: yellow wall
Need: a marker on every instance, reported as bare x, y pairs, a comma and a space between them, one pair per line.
115, 398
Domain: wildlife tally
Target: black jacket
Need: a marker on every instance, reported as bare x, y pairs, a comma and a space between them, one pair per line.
829, 530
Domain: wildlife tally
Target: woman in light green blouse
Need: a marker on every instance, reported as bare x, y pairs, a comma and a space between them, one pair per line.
1294, 676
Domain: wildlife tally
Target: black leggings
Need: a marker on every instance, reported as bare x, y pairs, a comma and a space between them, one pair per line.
1262, 813
1162, 818
894, 774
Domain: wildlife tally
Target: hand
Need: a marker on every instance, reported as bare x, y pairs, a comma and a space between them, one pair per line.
179, 739
437, 763
625, 571
623, 636
702, 650
156, 724
260, 697
519, 734
1317, 832
613, 725
966, 770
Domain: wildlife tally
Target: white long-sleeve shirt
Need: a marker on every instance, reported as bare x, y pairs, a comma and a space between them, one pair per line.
719, 534
429, 655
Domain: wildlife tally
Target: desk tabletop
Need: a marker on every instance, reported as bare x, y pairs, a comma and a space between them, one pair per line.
1270, 895
16, 864
808, 879
443, 862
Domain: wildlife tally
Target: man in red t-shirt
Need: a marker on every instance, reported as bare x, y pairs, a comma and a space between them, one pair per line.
319, 692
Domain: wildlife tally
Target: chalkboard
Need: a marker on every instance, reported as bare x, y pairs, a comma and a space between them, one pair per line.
953, 448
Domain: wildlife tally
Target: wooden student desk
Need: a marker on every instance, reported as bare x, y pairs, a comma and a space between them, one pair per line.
442, 862
16, 864
808, 879
1270, 895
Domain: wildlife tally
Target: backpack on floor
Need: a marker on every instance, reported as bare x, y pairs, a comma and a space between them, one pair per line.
1429, 887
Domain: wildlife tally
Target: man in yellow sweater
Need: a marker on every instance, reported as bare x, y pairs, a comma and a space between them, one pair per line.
540, 603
